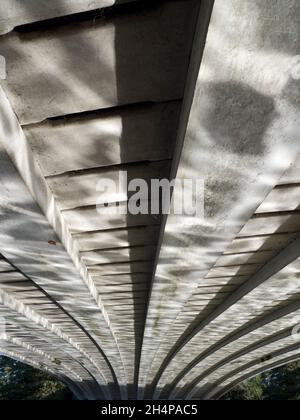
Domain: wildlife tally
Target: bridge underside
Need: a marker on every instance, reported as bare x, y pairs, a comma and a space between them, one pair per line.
150, 306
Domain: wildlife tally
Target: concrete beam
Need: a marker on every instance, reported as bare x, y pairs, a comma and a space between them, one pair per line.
13, 13
130, 134
30, 243
281, 361
56, 79
242, 312
243, 123
264, 341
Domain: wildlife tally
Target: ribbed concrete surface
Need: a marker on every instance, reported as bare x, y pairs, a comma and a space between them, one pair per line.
241, 138
120, 306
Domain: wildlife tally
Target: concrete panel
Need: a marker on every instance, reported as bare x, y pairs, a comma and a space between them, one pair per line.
118, 238
14, 13
122, 268
269, 224
222, 281
241, 270
260, 243
123, 280
56, 80
269, 295
4, 266
292, 175
119, 255
139, 133
84, 189
13, 277
250, 348
251, 372
240, 135
284, 198
31, 244
89, 220
245, 258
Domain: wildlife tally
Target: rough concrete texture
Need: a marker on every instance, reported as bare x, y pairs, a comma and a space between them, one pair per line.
13, 13
80, 189
67, 70
235, 355
101, 140
96, 143
271, 296
47, 292
89, 95
242, 135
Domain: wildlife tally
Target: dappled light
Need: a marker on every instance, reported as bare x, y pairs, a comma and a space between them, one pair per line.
119, 305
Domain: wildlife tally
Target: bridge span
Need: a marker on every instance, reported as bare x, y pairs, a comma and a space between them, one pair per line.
150, 306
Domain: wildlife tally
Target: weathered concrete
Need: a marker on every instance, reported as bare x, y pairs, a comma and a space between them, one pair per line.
118, 238
101, 140
251, 296
139, 138
67, 70
75, 284
82, 189
242, 134
136, 253
13, 13
289, 357
25, 241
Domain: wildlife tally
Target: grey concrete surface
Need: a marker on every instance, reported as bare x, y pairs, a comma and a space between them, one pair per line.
67, 70
121, 306
241, 136
13, 13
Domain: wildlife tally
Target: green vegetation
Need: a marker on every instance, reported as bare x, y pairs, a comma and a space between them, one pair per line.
22, 382
279, 384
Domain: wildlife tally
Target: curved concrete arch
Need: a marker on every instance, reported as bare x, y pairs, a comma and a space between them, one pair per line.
17, 355
29, 361
283, 259
27, 312
190, 249
266, 353
31, 350
276, 315
68, 370
43, 292
170, 57
38, 322
206, 8
68, 364
23, 159
12, 16
189, 386
150, 305
79, 391
275, 365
